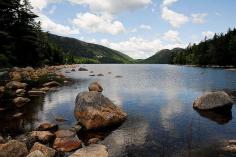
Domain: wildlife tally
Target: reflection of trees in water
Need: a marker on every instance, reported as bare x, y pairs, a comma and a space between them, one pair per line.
31, 114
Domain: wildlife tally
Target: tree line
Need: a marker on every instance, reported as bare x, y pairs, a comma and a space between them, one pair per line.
22, 41
220, 50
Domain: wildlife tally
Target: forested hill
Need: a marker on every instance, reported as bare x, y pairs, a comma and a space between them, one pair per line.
220, 50
161, 57
86, 52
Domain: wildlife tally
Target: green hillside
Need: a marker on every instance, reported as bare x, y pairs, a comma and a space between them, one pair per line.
161, 57
90, 53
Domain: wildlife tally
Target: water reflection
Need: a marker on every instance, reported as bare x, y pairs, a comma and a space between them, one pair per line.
218, 117
158, 100
132, 135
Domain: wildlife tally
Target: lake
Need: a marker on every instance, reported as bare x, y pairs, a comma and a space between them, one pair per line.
158, 100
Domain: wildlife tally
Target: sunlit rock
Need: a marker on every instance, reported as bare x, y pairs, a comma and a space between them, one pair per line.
213, 100
93, 110
13, 148
95, 86
94, 150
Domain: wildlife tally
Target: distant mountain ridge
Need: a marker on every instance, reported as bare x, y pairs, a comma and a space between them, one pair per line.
162, 57
83, 49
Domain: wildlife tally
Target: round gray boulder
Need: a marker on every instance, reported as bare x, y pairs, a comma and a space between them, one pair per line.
212, 101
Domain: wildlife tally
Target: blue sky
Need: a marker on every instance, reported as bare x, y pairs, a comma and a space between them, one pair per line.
138, 28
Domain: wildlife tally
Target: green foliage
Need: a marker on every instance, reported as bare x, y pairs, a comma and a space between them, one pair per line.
22, 41
220, 50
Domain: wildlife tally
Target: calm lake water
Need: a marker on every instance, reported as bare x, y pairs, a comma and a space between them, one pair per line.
158, 100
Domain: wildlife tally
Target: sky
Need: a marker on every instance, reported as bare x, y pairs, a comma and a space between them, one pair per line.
138, 28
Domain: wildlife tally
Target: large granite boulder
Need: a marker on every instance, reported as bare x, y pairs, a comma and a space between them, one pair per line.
13, 148
93, 111
213, 100
94, 150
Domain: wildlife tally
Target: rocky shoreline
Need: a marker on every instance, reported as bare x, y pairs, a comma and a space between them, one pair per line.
93, 111
48, 140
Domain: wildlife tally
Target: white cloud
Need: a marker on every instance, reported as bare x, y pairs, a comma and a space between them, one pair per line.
48, 25
199, 18
168, 2
95, 23
174, 18
147, 27
172, 36
208, 34
112, 6
41, 4
138, 47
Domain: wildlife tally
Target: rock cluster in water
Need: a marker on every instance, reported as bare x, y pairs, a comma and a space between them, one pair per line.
25, 83
49, 141
93, 110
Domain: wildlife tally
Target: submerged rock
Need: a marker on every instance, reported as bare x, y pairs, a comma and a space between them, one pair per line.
93, 110
36, 153
47, 127
60, 119
213, 100
36, 93
100, 75
48, 152
2, 90
20, 101
15, 85
2, 140
65, 133
118, 76
52, 84
93, 141
217, 116
83, 69
77, 128
45, 89
42, 136
94, 150
67, 144
20, 92
27, 139
17, 115
95, 86
13, 148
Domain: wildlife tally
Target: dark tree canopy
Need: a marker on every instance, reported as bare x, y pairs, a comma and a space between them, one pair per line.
22, 41
220, 50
